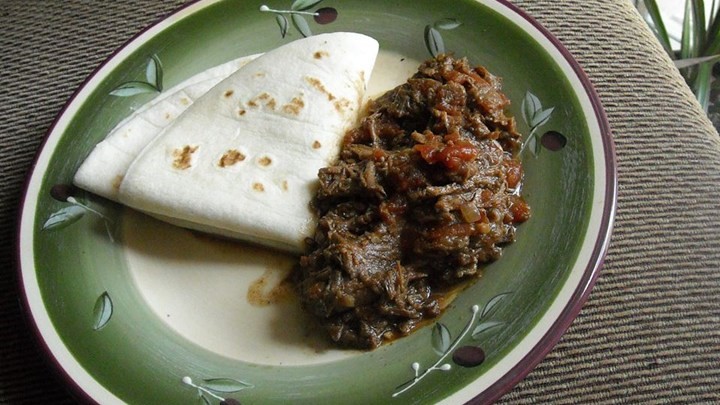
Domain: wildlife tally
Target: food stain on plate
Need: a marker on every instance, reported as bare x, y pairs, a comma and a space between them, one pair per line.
272, 287
223, 295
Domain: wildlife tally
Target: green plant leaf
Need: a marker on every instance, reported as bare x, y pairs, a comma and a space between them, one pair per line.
688, 41
282, 23
703, 84
447, 24
441, 338
434, 41
712, 43
484, 327
133, 88
226, 385
711, 16
302, 5
102, 312
659, 26
301, 24
684, 63
64, 217
700, 24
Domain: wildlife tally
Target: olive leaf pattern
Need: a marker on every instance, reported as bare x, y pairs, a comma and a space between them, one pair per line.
153, 81
64, 217
433, 38
73, 212
535, 116
441, 338
103, 310
444, 345
299, 9
488, 310
213, 389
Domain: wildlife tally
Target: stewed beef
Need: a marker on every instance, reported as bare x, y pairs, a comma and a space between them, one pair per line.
426, 191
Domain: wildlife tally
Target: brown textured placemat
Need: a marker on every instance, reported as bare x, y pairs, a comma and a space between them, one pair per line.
650, 331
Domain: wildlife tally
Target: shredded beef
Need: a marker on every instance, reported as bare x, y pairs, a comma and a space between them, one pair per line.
426, 191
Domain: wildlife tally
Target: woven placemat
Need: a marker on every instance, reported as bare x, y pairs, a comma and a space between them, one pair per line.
650, 331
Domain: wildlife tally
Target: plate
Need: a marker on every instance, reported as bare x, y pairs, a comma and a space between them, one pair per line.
132, 310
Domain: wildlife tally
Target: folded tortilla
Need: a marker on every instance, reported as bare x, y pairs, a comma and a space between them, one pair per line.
103, 170
242, 160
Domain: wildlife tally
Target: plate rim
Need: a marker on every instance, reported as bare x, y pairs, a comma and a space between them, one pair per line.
602, 240
500, 386
50, 357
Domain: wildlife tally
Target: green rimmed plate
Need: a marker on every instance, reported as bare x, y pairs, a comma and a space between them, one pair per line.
136, 311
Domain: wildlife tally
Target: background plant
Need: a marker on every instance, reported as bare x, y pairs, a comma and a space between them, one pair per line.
699, 49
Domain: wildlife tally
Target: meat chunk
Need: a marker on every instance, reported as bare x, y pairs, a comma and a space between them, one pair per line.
426, 191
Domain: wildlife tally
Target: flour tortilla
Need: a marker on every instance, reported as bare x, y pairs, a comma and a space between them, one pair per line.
242, 160
103, 170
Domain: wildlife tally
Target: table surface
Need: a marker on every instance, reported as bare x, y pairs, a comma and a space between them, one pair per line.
650, 331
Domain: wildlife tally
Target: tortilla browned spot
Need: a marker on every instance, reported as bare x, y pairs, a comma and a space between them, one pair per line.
228, 93
265, 161
117, 181
231, 157
183, 157
285, 185
241, 111
258, 187
320, 54
342, 105
294, 106
316, 145
265, 98
317, 84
